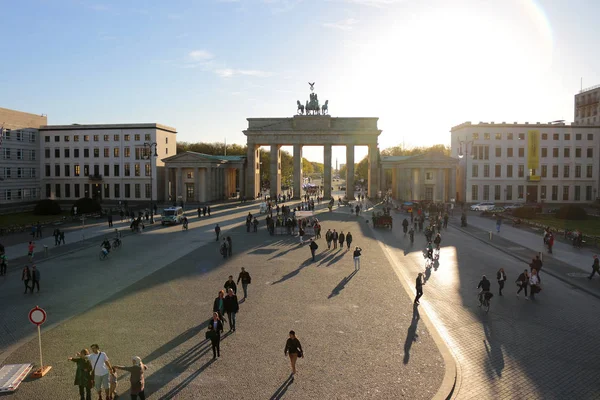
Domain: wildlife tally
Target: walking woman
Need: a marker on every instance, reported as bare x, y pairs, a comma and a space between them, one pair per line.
83, 375
349, 240
214, 335
26, 277
294, 349
136, 377
419, 288
522, 281
219, 305
501, 277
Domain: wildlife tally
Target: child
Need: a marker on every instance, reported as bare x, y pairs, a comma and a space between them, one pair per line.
112, 381
30, 250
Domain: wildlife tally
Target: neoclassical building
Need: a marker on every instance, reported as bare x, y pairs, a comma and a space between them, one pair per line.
429, 176
197, 177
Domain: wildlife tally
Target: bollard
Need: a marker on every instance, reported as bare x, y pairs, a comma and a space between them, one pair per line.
491, 235
45, 251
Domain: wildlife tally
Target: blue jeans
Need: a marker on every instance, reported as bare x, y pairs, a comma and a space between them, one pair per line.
231, 317
245, 288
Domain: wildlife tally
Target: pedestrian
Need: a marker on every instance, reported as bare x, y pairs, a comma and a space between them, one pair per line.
498, 223
501, 277
217, 231
349, 239
522, 282
334, 239
26, 277
215, 328
3, 263
122, 215
255, 224
224, 249
208, 210
35, 278
229, 247
32, 231
301, 234
246, 280
230, 284
342, 238
100, 367
534, 284
110, 221
56, 235
419, 288
328, 238
356, 255
199, 212
294, 349
62, 237
30, 249
136, 378
537, 264
595, 267
219, 305
232, 306
313, 248
38, 230
83, 374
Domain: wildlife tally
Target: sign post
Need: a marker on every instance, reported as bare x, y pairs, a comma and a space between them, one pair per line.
37, 316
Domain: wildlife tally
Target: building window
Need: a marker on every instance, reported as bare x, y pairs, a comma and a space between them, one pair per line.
147, 137
96, 170
567, 136
117, 190
577, 193
48, 190
555, 152
136, 168
116, 152
66, 138
508, 192
588, 171
498, 151
554, 193
56, 153
46, 138
76, 170
555, 171
56, 138
147, 190
590, 136
107, 170
588, 193
127, 170
127, 191
590, 152
498, 172
565, 171
486, 136
544, 171
521, 171
76, 188
521, 152
96, 138
138, 153
474, 192
76, 138
509, 171
509, 136
474, 171
578, 171
498, 136
57, 190
167, 150
116, 170
106, 191
86, 170
544, 152
126, 138
167, 139
106, 138
67, 153
509, 152
565, 193
76, 153
116, 138
555, 136
127, 152
32, 155
138, 191
147, 169
486, 170
497, 193
543, 192
106, 152
136, 137
578, 152
56, 170
86, 138
578, 136
96, 152
67, 170
544, 136
521, 136
567, 152
67, 190
86, 153
47, 171
520, 190
486, 192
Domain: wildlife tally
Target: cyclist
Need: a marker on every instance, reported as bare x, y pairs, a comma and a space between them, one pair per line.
405, 226
185, 223
106, 245
428, 233
429, 251
411, 233
437, 241
484, 285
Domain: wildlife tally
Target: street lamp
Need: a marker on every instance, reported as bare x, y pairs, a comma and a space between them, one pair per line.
148, 154
461, 155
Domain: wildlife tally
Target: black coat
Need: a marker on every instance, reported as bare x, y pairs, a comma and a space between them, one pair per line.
231, 304
216, 305
232, 285
342, 238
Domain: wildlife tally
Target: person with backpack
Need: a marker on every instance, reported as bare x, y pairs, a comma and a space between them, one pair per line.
246, 280
313, 248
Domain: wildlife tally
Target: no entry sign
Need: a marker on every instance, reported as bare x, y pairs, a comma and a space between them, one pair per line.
37, 316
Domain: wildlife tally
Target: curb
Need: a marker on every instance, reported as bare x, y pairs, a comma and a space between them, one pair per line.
547, 270
452, 375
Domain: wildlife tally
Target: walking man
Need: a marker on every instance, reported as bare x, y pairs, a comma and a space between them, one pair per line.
110, 220
231, 308
35, 278
217, 231
342, 238
498, 224
595, 267
419, 287
62, 237
313, 248
246, 280
328, 238
357, 254
334, 238
101, 367
230, 284
349, 240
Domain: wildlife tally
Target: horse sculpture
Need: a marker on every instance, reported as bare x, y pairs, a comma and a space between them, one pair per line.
324, 109
300, 107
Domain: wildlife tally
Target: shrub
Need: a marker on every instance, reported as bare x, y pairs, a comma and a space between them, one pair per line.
47, 207
85, 205
524, 212
571, 212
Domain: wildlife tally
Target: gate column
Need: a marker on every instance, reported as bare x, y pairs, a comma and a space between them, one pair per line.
252, 172
275, 170
297, 171
350, 172
327, 172
373, 171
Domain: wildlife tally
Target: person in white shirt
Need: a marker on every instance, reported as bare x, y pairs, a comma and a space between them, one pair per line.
101, 367
534, 283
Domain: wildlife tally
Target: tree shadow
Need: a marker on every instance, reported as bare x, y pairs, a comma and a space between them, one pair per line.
411, 334
294, 272
340, 286
283, 388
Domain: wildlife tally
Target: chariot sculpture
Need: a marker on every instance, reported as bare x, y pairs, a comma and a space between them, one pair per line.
312, 106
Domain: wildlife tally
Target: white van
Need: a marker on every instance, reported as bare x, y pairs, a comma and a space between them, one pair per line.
263, 208
172, 215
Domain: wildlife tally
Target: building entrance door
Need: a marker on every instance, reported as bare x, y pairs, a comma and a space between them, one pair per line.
189, 191
532, 194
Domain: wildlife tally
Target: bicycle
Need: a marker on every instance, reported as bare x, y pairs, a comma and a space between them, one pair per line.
116, 243
103, 254
484, 300
428, 260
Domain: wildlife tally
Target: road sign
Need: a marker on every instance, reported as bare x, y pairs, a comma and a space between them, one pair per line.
37, 316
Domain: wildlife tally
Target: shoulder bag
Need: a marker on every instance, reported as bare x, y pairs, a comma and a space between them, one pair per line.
92, 381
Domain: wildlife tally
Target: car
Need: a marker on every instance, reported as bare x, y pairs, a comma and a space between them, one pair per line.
482, 206
496, 210
513, 206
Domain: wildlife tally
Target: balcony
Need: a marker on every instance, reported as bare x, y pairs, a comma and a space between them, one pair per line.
534, 178
95, 177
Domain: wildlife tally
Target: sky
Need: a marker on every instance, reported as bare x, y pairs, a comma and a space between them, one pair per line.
203, 67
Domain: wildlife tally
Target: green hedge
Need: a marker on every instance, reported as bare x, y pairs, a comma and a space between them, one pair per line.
524, 212
85, 205
571, 212
47, 207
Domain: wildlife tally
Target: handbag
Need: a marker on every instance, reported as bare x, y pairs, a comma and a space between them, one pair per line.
300, 354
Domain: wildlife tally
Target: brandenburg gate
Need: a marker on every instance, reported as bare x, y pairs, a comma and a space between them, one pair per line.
311, 127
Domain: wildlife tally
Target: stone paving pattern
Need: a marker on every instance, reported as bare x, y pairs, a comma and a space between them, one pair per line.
359, 332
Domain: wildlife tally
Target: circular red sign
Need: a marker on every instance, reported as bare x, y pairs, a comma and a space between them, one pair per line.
37, 316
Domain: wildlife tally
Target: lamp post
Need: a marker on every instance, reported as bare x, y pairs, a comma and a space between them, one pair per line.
148, 154
461, 155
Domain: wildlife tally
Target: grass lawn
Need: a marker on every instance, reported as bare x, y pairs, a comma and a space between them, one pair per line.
28, 218
590, 226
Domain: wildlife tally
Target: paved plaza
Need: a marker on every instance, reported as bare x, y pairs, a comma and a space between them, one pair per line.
361, 335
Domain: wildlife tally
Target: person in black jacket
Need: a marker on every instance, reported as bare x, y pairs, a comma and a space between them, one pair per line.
231, 308
215, 328
419, 288
244, 276
523, 281
230, 284
342, 238
294, 349
219, 305
334, 239
313, 248
349, 240
501, 277
356, 256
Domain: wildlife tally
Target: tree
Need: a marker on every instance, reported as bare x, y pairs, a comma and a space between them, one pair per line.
213, 149
361, 170
401, 151
318, 168
307, 167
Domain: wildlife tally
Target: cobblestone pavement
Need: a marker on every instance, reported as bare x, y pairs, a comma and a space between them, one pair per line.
361, 335
545, 348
